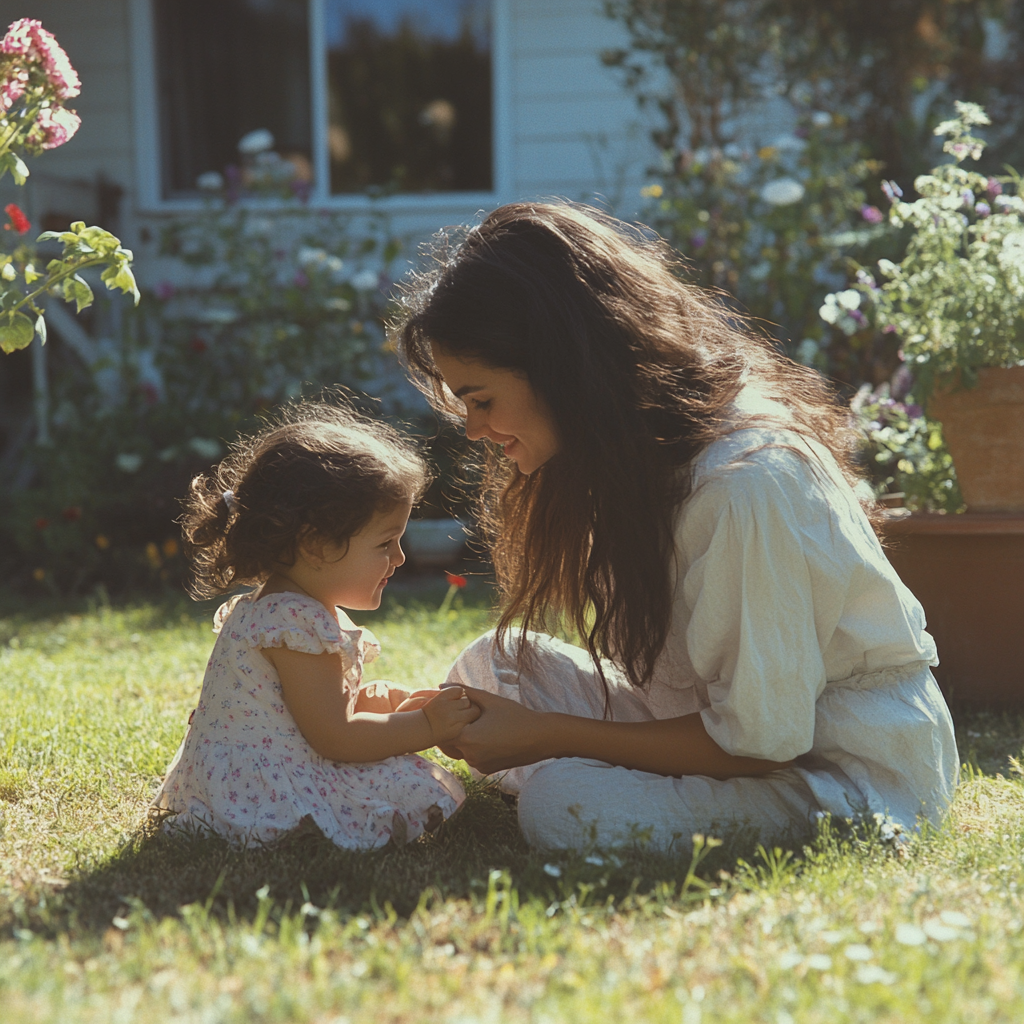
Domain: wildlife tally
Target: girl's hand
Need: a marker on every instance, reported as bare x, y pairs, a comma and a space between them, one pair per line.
448, 712
503, 736
417, 700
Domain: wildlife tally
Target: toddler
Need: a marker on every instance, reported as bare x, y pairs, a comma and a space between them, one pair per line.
310, 513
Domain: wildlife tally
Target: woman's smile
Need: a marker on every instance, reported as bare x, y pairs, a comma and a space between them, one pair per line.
501, 405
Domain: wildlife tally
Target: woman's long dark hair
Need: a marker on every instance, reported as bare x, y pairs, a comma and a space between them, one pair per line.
638, 370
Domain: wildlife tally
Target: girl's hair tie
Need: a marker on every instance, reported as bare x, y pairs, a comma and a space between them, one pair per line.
229, 500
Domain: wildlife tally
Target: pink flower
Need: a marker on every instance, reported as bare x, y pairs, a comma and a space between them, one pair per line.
13, 88
872, 214
27, 38
57, 125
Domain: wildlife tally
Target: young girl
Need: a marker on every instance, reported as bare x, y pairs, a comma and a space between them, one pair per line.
310, 513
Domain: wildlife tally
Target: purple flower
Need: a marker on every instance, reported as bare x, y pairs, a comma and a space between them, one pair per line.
888, 329
914, 411
872, 214
902, 382
164, 291
858, 316
968, 197
698, 239
993, 188
983, 209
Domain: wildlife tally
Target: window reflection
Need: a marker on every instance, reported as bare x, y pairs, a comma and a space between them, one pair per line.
409, 95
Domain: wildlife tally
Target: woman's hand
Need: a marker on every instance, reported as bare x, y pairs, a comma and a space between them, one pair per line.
504, 736
448, 711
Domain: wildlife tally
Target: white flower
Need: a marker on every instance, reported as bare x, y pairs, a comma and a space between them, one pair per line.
858, 951
307, 256
256, 142
821, 119
940, 932
205, 448
849, 299
888, 268
1013, 251
910, 935
783, 192
595, 860
211, 181
819, 961
790, 960
128, 462
955, 919
553, 870
365, 280
790, 144
338, 304
868, 974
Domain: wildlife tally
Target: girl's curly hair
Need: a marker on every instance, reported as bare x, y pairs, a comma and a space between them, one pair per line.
318, 468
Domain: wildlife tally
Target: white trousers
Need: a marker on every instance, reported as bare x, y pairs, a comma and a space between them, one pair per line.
579, 803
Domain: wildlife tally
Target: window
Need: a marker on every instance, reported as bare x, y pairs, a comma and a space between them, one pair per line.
379, 97
409, 95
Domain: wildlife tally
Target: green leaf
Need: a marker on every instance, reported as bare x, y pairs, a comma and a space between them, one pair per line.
15, 332
76, 289
121, 276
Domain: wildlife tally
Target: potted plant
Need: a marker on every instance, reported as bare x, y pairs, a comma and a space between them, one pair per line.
957, 302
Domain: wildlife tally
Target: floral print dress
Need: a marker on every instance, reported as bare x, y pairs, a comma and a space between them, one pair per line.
245, 771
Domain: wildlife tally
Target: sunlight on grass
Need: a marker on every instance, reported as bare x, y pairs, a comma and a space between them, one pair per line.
102, 920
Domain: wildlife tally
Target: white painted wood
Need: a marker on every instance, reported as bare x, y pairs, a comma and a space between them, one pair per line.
145, 109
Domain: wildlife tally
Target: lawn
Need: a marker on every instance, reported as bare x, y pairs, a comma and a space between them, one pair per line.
103, 920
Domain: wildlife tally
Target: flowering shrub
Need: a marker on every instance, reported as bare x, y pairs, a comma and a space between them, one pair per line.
904, 452
770, 226
36, 78
955, 299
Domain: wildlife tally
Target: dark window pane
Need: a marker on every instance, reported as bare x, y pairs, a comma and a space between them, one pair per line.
226, 68
410, 95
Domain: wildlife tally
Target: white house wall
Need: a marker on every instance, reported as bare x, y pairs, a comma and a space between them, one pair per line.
571, 130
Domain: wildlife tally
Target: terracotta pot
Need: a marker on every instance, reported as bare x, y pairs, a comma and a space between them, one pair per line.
984, 429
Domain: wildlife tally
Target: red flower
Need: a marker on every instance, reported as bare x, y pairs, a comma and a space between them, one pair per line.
42, 524
456, 581
19, 222
72, 513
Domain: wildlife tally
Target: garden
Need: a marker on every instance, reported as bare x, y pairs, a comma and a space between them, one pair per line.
881, 243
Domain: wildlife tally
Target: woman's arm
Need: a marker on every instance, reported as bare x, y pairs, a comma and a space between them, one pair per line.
314, 693
508, 734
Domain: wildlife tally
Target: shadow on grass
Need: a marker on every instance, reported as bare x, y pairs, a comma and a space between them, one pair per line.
161, 874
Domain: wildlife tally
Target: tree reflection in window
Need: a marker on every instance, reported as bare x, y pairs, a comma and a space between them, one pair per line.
410, 95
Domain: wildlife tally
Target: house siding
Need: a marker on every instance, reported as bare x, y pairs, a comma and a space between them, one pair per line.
572, 131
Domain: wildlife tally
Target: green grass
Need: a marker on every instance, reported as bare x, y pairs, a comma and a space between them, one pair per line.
103, 920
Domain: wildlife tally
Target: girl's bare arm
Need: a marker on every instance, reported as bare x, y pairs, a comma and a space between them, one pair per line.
315, 696
508, 734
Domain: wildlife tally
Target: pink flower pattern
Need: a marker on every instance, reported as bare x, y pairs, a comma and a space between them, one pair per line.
245, 771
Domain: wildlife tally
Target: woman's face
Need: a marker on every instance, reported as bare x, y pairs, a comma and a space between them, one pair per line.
501, 405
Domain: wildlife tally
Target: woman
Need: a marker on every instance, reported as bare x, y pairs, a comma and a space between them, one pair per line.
662, 482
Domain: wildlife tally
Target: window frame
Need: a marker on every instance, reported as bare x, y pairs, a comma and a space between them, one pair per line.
146, 115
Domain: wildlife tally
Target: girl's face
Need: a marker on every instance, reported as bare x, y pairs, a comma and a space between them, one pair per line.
355, 577
501, 405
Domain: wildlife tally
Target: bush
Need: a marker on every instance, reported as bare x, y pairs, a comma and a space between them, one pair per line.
276, 304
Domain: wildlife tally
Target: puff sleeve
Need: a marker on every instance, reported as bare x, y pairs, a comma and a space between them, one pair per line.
301, 624
764, 586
